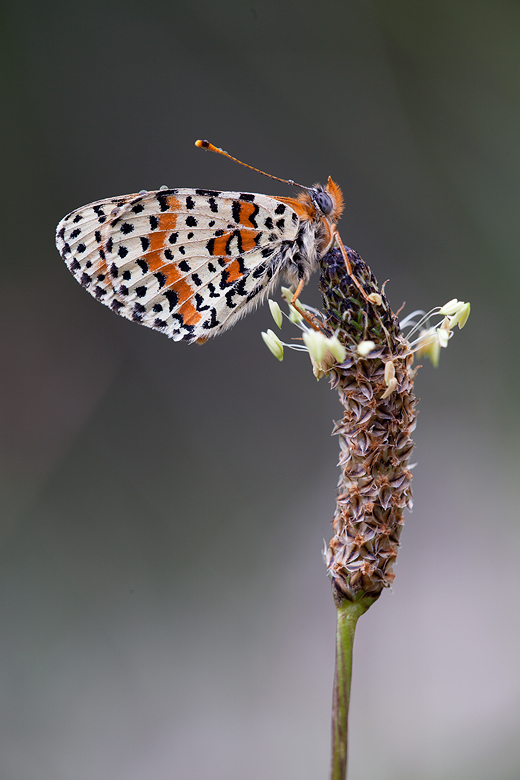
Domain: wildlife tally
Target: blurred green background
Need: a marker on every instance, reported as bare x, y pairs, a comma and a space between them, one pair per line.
164, 609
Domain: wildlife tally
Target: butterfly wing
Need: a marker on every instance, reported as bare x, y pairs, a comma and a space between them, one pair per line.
185, 262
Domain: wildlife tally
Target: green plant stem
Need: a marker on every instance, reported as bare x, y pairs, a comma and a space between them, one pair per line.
348, 613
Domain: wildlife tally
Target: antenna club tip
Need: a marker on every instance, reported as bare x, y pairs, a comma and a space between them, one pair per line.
209, 147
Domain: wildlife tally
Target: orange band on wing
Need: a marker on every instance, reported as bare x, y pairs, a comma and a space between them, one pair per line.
189, 314
218, 245
233, 272
303, 207
248, 239
168, 220
246, 211
176, 283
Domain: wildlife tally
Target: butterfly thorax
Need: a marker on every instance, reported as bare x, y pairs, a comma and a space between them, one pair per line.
318, 209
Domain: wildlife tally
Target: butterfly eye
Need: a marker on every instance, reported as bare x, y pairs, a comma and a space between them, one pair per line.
322, 201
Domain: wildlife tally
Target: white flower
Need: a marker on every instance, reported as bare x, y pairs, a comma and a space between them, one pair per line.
273, 343
276, 312
429, 340
364, 347
316, 343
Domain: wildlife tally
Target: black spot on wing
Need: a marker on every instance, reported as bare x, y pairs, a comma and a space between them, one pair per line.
137, 312
207, 193
212, 322
162, 200
161, 278
172, 298
199, 303
238, 289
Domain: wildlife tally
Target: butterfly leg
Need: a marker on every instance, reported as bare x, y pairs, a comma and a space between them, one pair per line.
307, 316
349, 268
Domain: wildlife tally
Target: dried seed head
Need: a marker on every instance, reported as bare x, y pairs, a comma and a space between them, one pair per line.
375, 388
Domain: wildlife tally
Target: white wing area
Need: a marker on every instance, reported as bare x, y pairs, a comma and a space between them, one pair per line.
186, 262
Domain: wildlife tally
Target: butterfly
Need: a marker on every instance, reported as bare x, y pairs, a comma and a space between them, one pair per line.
191, 262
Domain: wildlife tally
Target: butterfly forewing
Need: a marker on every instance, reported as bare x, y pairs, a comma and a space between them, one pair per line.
183, 261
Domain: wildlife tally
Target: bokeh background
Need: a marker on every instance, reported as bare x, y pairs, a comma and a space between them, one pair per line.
164, 609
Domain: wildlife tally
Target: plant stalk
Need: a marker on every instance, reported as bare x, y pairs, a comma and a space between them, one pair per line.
348, 613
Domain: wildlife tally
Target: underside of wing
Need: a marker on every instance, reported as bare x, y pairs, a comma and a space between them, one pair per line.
185, 262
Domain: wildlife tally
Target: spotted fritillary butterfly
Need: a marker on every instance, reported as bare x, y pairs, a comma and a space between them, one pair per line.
191, 262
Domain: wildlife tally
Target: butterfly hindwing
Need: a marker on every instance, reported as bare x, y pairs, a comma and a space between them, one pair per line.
186, 262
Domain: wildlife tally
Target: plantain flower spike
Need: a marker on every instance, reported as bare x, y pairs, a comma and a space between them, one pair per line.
358, 342
375, 387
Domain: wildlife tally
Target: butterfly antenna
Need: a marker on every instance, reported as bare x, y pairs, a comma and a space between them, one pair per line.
210, 148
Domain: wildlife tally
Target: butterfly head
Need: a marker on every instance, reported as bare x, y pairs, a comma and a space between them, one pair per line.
323, 202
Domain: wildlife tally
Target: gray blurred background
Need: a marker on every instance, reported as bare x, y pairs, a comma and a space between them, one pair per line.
164, 609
